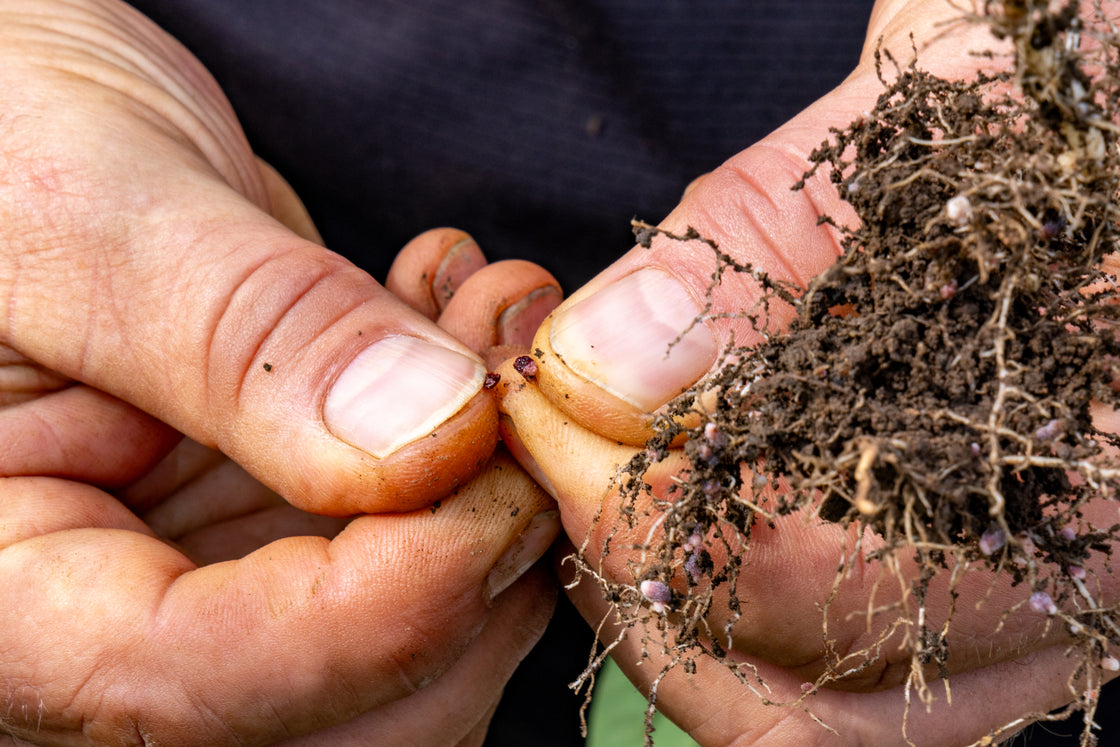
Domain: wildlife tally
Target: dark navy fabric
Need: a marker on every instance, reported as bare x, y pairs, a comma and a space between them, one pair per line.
540, 126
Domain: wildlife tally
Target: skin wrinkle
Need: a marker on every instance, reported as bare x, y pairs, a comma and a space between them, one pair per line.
10, 305
15, 254
221, 333
286, 731
779, 255
108, 318
206, 714
717, 717
174, 75
815, 202
148, 77
752, 739
415, 648
171, 63
91, 723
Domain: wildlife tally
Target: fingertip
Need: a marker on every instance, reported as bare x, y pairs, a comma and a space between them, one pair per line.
575, 463
499, 354
341, 398
583, 400
431, 267
502, 304
415, 475
654, 323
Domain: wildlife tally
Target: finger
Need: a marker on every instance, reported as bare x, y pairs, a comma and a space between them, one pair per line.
82, 434
176, 291
238, 536
632, 338
261, 647
770, 705
213, 510
199, 487
22, 379
455, 710
184, 464
71, 506
430, 268
501, 304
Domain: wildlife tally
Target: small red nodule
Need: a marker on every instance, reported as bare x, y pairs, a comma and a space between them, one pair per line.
525, 366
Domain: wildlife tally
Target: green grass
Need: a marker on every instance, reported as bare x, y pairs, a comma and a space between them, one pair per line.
617, 717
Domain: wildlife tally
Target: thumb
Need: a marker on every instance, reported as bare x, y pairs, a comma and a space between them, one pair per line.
654, 322
161, 278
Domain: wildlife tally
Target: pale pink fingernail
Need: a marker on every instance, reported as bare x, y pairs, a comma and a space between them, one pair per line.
620, 338
461, 261
398, 390
518, 323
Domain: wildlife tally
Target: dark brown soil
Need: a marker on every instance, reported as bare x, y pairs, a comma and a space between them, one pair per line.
937, 383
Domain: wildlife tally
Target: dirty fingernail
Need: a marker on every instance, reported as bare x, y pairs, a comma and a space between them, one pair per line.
398, 390
526, 550
461, 261
518, 323
627, 338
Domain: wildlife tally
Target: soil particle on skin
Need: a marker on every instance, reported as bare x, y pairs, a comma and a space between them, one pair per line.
525, 366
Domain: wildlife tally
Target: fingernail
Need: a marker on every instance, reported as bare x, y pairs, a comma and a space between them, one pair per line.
398, 390
461, 261
526, 550
620, 338
518, 323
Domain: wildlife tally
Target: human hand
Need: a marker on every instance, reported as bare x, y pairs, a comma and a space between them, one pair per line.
160, 282
142, 258
602, 363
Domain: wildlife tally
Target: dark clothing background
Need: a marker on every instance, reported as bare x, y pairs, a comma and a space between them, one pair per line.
539, 126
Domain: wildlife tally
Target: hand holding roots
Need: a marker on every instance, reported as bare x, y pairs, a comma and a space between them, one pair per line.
939, 382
